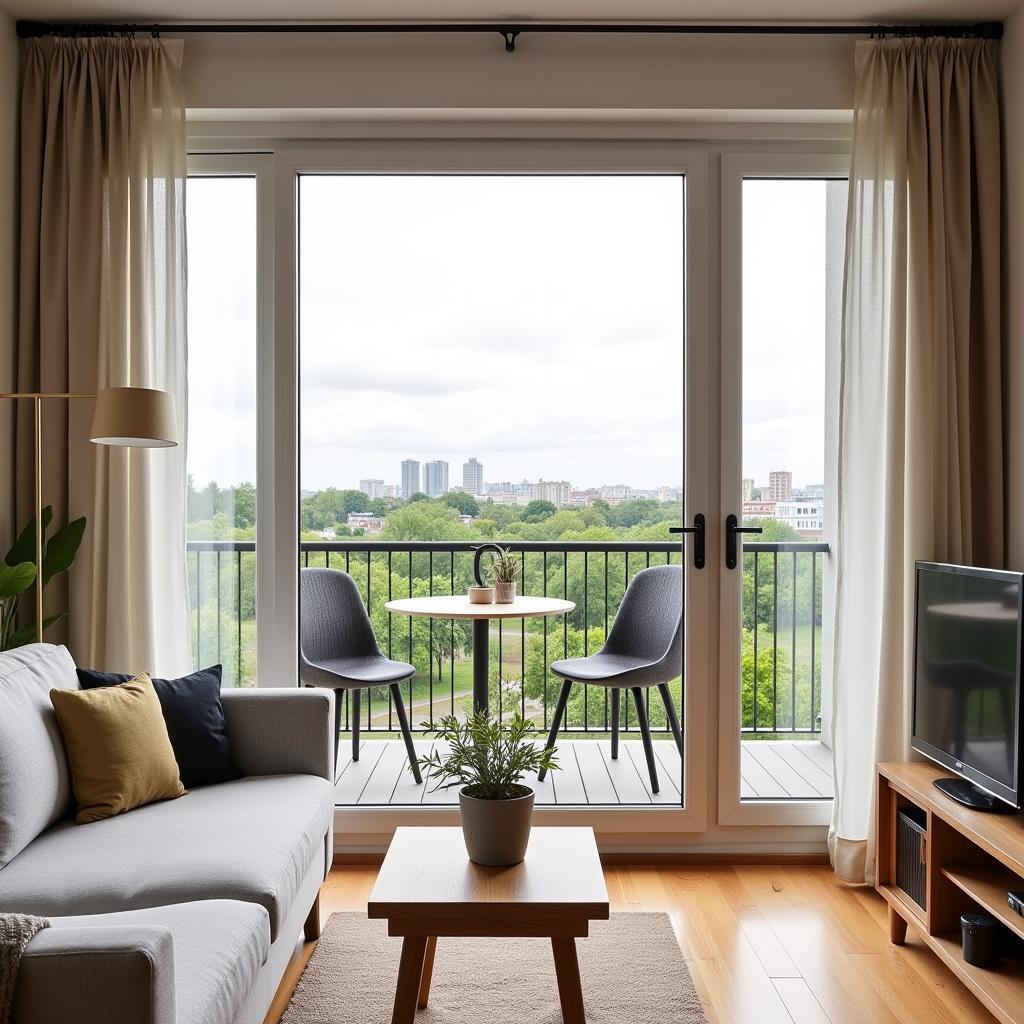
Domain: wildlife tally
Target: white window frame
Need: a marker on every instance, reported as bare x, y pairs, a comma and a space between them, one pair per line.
278, 159
732, 810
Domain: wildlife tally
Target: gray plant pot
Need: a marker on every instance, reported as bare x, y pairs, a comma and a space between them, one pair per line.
497, 832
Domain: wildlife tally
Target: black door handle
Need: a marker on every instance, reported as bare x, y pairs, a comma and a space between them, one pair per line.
732, 528
698, 530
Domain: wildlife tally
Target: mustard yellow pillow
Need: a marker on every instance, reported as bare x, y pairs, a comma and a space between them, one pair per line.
118, 750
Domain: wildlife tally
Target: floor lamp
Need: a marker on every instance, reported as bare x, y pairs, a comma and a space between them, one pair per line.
124, 417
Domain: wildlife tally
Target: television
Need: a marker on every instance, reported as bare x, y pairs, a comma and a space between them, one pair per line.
967, 675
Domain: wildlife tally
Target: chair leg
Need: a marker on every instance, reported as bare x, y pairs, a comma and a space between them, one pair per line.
645, 735
556, 720
355, 696
403, 723
673, 718
616, 701
338, 694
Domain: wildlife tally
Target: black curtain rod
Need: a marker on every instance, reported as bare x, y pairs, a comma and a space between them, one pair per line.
508, 31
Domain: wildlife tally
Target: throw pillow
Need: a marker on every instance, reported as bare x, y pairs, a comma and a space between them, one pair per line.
118, 750
195, 722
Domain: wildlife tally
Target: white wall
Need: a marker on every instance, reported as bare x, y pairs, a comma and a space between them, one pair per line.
637, 73
1013, 113
8, 252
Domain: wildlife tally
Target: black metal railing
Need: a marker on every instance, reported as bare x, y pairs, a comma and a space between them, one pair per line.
781, 657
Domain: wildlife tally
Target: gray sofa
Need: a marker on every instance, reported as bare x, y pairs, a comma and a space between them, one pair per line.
181, 912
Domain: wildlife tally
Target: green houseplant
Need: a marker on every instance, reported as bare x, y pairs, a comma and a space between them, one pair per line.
489, 759
502, 574
18, 573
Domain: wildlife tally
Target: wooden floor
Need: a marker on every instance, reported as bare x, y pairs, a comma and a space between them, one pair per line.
770, 770
765, 945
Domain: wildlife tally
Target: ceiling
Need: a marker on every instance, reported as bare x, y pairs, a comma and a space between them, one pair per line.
856, 11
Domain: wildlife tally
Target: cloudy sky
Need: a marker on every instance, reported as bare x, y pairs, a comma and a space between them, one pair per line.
533, 322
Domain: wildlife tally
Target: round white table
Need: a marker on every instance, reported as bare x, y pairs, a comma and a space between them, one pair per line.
458, 606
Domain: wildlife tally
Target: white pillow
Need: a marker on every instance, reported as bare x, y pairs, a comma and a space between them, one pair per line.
35, 789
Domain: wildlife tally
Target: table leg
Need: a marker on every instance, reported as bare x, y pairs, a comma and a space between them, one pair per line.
481, 657
410, 971
567, 971
428, 970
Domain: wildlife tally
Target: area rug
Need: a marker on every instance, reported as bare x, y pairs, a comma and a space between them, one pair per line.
632, 970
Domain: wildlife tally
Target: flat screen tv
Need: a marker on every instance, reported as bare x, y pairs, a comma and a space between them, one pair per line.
967, 672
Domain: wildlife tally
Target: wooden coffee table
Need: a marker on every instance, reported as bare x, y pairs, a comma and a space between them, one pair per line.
428, 888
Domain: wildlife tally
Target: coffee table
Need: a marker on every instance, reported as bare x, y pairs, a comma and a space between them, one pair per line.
428, 889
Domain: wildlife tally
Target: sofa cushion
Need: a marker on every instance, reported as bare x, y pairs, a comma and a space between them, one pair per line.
194, 715
253, 840
34, 787
219, 948
118, 749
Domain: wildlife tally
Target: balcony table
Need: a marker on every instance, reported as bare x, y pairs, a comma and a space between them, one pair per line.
428, 888
458, 606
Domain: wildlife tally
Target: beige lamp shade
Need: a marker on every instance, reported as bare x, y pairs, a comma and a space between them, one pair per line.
134, 418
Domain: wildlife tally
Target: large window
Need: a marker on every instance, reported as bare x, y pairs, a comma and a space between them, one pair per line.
222, 333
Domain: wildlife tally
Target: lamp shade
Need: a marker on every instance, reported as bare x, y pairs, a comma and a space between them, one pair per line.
134, 418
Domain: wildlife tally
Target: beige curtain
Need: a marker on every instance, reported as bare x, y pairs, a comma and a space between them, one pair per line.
920, 434
102, 303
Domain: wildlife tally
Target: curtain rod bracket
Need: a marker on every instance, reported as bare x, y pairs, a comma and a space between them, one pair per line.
510, 36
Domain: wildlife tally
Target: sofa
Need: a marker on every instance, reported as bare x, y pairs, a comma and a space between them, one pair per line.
180, 912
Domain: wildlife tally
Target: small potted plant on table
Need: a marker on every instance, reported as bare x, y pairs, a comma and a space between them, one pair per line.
489, 760
502, 574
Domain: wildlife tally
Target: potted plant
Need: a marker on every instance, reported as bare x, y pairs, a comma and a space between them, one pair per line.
489, 760
502, 574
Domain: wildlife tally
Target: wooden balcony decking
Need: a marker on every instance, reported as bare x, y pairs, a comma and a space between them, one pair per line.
771, 770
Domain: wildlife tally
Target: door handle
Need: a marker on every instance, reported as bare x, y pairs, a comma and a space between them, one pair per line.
732, 529
699, 530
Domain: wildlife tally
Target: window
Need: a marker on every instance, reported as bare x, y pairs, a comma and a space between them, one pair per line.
222, 338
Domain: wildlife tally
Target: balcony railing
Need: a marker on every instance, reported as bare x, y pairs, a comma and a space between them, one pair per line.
781, 625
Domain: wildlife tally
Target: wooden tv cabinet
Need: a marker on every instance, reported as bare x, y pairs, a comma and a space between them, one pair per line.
972, 859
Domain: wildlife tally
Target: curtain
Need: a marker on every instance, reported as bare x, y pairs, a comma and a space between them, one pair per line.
102, 303
920, 419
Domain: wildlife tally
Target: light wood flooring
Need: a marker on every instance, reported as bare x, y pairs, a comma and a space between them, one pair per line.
765, 945
770, 770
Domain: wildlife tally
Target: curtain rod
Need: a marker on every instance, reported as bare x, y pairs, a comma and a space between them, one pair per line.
510, 31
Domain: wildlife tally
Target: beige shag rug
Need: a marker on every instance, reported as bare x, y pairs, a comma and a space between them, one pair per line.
631, 967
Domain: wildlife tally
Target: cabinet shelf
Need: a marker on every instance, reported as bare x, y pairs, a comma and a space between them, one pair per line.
988, 887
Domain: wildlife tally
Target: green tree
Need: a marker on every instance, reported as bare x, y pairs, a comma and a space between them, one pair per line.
537, 511
465, 503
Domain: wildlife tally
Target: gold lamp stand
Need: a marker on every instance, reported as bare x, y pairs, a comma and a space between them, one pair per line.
124, 417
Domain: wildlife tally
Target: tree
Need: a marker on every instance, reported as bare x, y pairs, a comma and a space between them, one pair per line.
245, 505
538, 510
424, 520
465, 503
418, 496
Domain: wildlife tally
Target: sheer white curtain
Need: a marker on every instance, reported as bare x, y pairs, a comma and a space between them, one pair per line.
103, 304
920, 432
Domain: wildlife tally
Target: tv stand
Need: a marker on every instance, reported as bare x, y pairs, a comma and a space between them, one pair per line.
971, 860
970, 795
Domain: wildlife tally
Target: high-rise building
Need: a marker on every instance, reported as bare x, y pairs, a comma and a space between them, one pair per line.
748, 489
435, 478
410, 477
557, 492
372, 488
780, 485
473, 477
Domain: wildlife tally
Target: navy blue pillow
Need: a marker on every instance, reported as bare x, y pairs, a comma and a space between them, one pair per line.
195, 722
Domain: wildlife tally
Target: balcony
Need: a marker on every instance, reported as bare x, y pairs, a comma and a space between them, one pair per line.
782, 757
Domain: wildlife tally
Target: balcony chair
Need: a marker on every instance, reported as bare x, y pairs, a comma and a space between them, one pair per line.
339, 650
643, 649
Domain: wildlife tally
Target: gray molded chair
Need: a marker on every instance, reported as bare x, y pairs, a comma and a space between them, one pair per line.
643, 649
339, 650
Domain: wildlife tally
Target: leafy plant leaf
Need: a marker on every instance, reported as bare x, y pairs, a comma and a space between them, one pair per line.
16, 579
24, 549
61, 549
